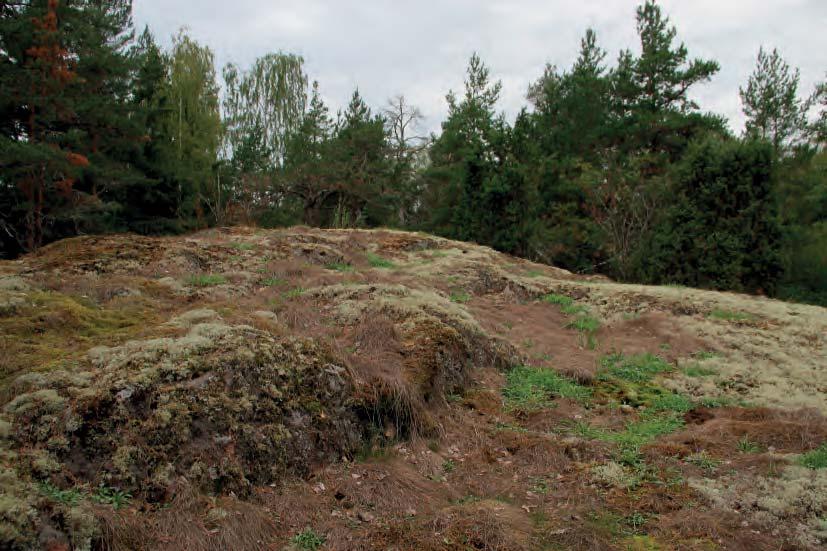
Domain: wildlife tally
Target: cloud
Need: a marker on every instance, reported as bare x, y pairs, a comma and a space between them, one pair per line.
421, 48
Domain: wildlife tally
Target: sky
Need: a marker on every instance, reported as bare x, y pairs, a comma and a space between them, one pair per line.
421, 48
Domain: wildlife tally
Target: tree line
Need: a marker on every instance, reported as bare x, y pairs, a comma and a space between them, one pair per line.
611, 167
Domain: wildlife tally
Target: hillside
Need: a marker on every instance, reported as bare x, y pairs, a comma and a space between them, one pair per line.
332, 389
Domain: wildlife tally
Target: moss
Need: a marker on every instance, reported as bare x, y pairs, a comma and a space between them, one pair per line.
54, 328
34, 404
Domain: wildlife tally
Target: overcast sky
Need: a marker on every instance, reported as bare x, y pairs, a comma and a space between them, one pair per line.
420, 48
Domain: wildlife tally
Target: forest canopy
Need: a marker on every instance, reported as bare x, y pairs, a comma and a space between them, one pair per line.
611, 167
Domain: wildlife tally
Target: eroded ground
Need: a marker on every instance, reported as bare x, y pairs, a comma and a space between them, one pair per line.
320, 389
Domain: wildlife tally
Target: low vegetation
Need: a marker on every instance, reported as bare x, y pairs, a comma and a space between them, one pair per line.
301, 404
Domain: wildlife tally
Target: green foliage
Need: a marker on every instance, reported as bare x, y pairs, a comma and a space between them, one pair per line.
729, 315
773, 110
815, 459
560, 300
111, 496
293, 293
637, 369
585, 324
206, 280
723, 201
530, 388
697, 370
377, 261
460, 296
340, 267
70, 497
745, 445
308, 540
243, 246
448, 465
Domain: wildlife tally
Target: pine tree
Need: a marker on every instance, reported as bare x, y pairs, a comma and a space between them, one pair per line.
771, 104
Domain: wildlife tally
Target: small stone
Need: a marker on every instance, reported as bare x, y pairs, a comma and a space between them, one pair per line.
627, 409
365, 516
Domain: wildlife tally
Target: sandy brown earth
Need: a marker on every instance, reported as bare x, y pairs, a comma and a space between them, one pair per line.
334, 389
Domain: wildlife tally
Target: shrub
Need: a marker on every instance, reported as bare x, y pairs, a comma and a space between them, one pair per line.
308, 540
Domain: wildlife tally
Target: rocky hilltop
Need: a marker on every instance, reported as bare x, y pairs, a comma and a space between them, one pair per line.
323, 389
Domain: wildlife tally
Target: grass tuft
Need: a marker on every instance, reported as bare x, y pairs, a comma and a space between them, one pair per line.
206, 280
377, 261
639, 368
530, 388
560, 300
340, 267
815, 459
460, 297
731, 315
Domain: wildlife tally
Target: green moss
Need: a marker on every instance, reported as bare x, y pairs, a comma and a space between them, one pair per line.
529, 388
273, 281
242, 246
53, 329
460, 297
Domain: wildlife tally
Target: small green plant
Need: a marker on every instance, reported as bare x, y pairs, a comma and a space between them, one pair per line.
697, 370
560, 300
705, 355
69, 497
340, 267
671, 401
448, 465
460, 297
377, 261
572, 309
293, 293
745, 445
540, 486
639, 368
636, 520
587, 326
530, 389
815, 459
243, 246
273, 281
308, 540
702, 460
533, 273
111, 496
584, 324
206, 280
731, 315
